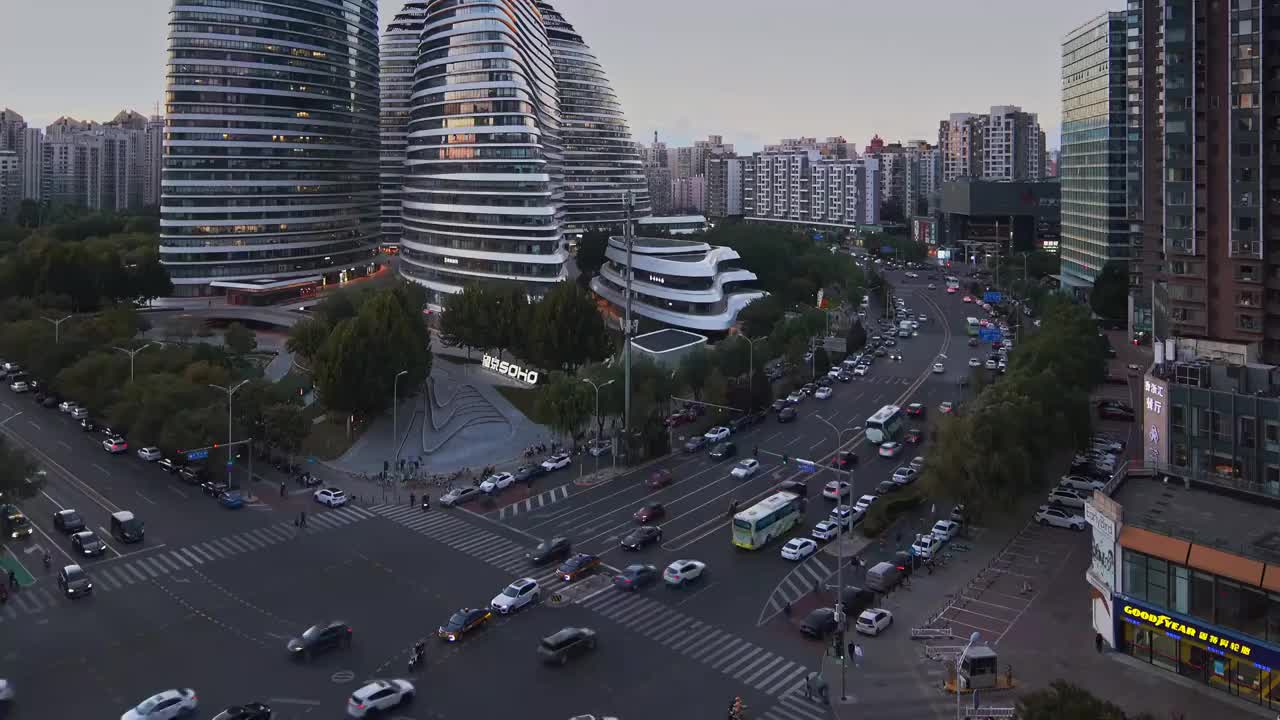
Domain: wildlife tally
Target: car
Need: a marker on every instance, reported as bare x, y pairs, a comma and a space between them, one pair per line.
809, 389
975, 362
599, 448
379, 696
557, 548
861, 371
991, 365
74, 581
331, 496
319, 638
945, 530
723, 450
922, 318
836, 490
231, 499
795, 398
634, 577
67, 406
819, 623
88, 425
939, 368
914, 436
497, 481
164, 706
462, 622
528, 473
905, 475
79, 413
915, 409
577, 566
864, 502
717, 434
873, 621
169, 465
946, 407
520, 593
649, 512
745, 468
1108, 410
683, 572
890, 449
88, 544
1059, 517
845, 377
881, 352
917, 463
890, 342
951, 290
844, 460
742, 422
68, 521
887, 486
825, 530
150, 454
845, 516
557, 462
973, 342
926, 546
19, 386
822, 393
460, 495
695, 444
115, 445
798, 549
641, 537
1067, 497
658, 479
967, 299
787, 414
568, 642
1081, 483
248, 711
835, 371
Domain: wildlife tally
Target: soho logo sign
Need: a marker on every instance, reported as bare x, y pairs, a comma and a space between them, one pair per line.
502, 367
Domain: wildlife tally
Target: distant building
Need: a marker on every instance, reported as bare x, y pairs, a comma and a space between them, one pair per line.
960, 143
673, 224
725, 183
10, 185
98, 166
831, 148
398, 60
29, 155
1003, 144
799, 187
1001, 217
688, 194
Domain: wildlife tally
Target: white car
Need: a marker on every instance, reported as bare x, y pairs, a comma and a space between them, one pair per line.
19, 386
1081, 483
932, 286
333, 497
890, 449
79, 413
1066, 496
518, 594
991, 365
683, 571
938, 369
945, 530
717, 434
67, 406
164, 706
975, 362
6, 690
834, 372
150, 454
1059, 517
922, 318
905, 475
497, 481
873, 621
379, 696
115, 445
845, 516
822, 393
798, 549
946, 407
836, 490
795, 398
925, 546
825, 530
556, 462
745, 468
864, 502
860, 370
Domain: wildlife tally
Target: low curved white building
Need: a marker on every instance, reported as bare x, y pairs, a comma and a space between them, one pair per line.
685, 284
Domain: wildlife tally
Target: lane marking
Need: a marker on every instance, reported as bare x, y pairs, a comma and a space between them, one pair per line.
180, 493
301, 701
144, 497
64, 444
104, 537
100, 469
33, 424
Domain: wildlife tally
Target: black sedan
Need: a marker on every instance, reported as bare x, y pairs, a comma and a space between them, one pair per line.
248, 711
74, 582
819, 623
528, 473
786, 415
68, 521
642, 537
723, 450
463, 622
549, 551
169, 465
779, 405
88, 544
320, 638
695, 443
634, 577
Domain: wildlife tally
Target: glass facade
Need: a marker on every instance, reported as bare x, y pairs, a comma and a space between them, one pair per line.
399, 58
1225, 438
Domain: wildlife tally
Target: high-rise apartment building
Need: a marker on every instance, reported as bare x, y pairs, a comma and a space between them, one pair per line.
725, 184
960, 142
831, 148
271, 154
25, 143
1204, 157
688, 195
923, 181
1095, 230
152, 161
399, 59
801, 187
100, 166
1003, 144
30, 156
483, 196
10, 185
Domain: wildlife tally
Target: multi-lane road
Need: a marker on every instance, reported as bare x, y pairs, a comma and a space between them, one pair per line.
210, 598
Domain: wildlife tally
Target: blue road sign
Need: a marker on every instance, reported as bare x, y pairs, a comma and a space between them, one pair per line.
990, 334
817, 237
197, 454
886, 249
311, 458
806, 465
991, 297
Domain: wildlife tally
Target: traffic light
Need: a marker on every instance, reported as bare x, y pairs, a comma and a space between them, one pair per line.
784, 458
755, 451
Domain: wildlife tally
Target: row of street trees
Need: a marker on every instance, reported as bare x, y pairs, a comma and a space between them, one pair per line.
992, 453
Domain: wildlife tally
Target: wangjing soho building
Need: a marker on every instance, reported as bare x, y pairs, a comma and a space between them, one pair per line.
271, 143
482, 195
399, 60
600, 160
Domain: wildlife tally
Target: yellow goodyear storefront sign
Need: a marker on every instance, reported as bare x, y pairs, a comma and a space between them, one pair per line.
1169, 623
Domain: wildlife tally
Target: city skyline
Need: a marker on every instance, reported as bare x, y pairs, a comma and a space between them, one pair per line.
721, 87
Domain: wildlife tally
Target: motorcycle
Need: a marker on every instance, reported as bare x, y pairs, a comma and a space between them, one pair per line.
417, 657
47, 561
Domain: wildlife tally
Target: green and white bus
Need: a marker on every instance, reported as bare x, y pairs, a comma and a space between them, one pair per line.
884, 425
754, 527
972, 325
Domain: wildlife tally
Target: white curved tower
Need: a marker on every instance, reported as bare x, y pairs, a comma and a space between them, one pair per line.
483, 189
600, 160
271, 147
399, 61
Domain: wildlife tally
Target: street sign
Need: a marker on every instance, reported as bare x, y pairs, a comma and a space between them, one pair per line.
311, 458
991, 297
886, 249
230, 463
990, 334
197, 454
806, 465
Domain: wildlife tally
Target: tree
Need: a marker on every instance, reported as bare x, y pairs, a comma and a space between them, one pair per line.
466, 319
857, 337
336, 307
1109, 297
567, 330
821, 361
286, 426
759, 317
1065, 701
591, 252
694, 371
18, 473
240, 339
717, 388
564, 401
510, 318
307, 336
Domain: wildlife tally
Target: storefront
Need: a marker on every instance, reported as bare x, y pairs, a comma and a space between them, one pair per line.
1225, 660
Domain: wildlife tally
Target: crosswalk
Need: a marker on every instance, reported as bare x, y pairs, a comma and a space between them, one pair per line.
541, 500
803, 579
795, 706
119, 574
447, 528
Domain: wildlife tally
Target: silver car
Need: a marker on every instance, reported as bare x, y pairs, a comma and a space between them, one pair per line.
1059, 517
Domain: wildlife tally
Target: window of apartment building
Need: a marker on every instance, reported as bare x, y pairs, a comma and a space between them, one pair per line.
1248, 273
1248, 432
1178, 418
1217, 426
1181, 456
1272, 437
1248, 322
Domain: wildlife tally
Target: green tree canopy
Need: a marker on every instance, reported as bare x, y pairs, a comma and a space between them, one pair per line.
759, 317
18, 477
307, 336
567, 402
591, 250
1109, 297
239, 339
566, 330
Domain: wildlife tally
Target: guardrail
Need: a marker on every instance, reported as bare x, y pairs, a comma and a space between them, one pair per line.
931, 632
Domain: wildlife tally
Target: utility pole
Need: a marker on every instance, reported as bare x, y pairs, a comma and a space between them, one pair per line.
599, 423
231, 391
628, 201
751, 371
57, 327
395, 415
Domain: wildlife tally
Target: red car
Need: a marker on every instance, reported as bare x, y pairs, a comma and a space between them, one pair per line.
914, 436
650, 512
845, 460
916, 409
659, 479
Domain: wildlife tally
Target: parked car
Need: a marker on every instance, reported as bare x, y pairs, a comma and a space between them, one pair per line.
786, 415
798, 549
945, 530
1059, 517
819, 623
873, 621
150, 454
557, 462
890, 449
497, 482
460, 496
1066, 497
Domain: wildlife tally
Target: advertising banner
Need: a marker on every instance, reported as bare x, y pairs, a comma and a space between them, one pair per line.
1155, 422
1216, 639
1102, 514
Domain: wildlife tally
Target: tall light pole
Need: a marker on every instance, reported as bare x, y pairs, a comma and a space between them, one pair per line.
598, 423
395, 414
628, 200
751, 371
960, 658
57, 327
229, 391
840, 531
132, 354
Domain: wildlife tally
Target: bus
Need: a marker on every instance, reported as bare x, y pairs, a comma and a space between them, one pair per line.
972, 325
953, 284
884, 425
754, 527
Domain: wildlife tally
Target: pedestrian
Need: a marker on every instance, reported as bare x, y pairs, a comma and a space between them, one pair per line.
852, 646
13, 579
786, 609
412, 499
857, 656
302, 519
283, 491
808, 686
1097, 642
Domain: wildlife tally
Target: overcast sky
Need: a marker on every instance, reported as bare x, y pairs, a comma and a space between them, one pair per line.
751, 70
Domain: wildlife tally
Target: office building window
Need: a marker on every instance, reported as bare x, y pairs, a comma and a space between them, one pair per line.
1178, 419
1181, 588
1272, 430
1201, 596
1135, 574
1158, 581
1248, 432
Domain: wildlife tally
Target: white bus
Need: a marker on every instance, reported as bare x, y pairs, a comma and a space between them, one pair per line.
972, 325
953, 283
884, 425
754, 527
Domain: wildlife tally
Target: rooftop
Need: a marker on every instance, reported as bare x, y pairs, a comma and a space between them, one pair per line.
1203, 517
670, 219
661, 341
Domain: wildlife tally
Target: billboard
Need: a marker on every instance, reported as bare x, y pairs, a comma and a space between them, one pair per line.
1155, 422
1103, 515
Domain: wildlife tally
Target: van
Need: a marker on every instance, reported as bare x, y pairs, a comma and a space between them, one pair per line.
883, 577
127, 528
857, 599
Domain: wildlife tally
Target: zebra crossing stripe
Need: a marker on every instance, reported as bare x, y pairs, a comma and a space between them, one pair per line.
326, 520
168, 563
653, 623
697, 632
178, 556
102, 580
468, 543
261, 538
730, 651
626, 605
747, 654
669, 636
275, 533
26, 600
713, 645
121, 577
189, 553
142, 563
11, 612
209, 550
136, 572
749, 679
646, 614
790, 678
248, 538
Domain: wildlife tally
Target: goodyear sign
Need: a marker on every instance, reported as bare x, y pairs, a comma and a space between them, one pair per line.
1216, 639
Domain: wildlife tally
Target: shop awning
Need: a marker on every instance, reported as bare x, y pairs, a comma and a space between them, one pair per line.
1155, 544
1271, 578
1225, 564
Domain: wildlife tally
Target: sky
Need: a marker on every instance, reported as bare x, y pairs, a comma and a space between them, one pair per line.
753, 71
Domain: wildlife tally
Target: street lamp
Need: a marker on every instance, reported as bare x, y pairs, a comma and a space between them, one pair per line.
751, 370
57, 327
132, 354
960, 658
840, 614
395, 413
599, 424
229, 391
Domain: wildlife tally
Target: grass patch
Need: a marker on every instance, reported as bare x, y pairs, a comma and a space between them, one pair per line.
525, 400
328, 440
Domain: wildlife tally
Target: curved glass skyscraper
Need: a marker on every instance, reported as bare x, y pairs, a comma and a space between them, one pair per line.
399, 61
271, 147
483, 189
600, 160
